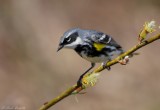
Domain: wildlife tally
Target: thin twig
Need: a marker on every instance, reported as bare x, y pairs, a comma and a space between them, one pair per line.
73, 88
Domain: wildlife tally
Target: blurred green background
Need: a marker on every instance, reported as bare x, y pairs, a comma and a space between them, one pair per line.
32, 72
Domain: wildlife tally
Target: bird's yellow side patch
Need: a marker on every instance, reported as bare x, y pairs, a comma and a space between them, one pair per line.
99, 46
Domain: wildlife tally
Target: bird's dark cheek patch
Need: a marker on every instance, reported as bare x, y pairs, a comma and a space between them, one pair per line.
65, 42
72, 40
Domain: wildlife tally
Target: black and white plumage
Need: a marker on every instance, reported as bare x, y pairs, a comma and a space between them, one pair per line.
94, 46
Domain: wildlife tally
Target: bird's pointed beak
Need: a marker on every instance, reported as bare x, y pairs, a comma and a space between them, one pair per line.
60, 47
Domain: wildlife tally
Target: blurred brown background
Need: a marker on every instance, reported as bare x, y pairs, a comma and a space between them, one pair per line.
32, 72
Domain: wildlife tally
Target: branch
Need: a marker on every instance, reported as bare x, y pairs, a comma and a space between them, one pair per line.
130, 51
91, 78
77, 89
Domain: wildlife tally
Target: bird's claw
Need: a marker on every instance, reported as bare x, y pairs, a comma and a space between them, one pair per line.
106, 67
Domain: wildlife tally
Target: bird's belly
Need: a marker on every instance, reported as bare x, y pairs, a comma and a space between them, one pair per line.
95, 59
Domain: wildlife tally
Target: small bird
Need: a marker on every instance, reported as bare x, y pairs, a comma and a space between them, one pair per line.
92, 45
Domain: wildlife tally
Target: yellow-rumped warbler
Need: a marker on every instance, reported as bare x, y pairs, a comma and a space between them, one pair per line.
94, 46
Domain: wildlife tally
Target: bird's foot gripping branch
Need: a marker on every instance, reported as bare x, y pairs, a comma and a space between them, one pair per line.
90, 79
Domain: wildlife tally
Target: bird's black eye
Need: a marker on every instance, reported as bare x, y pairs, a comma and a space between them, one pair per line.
68, 39
71, 38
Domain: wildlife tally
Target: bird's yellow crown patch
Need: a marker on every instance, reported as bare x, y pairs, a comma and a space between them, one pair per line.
99, 46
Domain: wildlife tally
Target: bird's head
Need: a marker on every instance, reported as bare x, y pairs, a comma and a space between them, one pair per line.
70, 39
